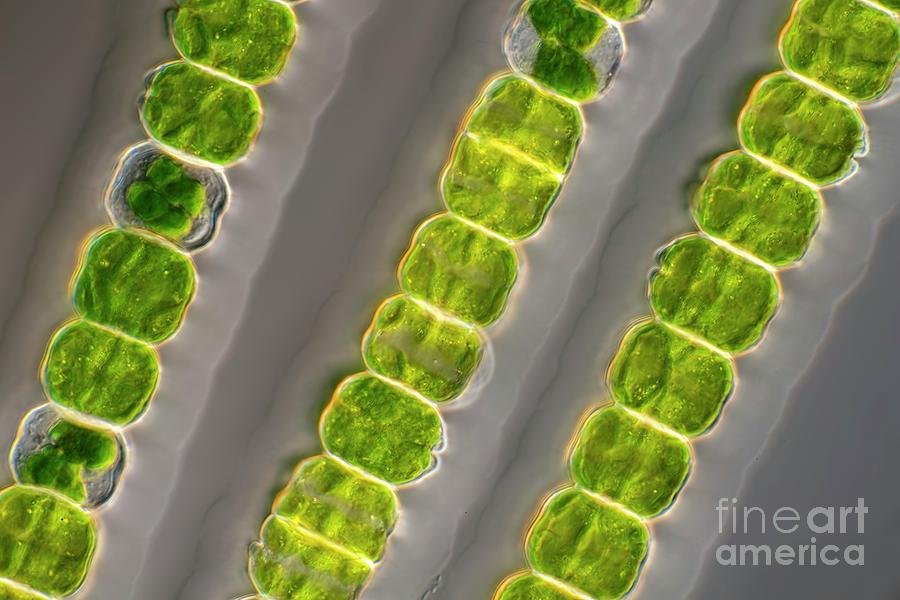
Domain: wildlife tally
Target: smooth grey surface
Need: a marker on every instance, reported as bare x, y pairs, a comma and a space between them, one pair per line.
347, 164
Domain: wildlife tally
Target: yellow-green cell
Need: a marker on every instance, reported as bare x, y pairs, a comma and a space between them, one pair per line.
713, 293
628, 461
381, 430
802, 129
846, 45
676, 382
99, 373
201, 114
756, 209
135, 284
588, 545
328, 498
247, 39
289, 564
530, 587
498, 190
433, 355
167, 199
459, 269
9, 592
46, 542
518, 114
620, 10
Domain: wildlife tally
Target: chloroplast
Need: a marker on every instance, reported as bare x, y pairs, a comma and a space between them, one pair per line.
433, 355
166, 200
845, 45
247, 39
328, 498
380, 429
587, 544
99, 373
621, 10
10, 592
802, 129
135, 284
201, 114
530, 587
290, 564
713, 293
672, 380
756, 209
46, 542
459, 269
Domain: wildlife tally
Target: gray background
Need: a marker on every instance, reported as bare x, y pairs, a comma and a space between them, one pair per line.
355, 135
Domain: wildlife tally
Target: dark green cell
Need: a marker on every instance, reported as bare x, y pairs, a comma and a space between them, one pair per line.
516, 113
713, 293
434, 356
530, 587
621, 10
566, 71
46, 543
337, 503
756, 209
620, 457
845, 45
678, 383
289, 564
201, 114
247, 39
99, 373
802, 129
459, 269
381, 430
134, 284
588, 545
8, 592
566, 23
166, 200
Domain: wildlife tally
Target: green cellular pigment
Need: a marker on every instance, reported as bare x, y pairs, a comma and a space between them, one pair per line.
337, 503
713, 293
291, 565
620, 10
460, 270
134, 284
565, 71
247, 39
756, 209
166, 200
99, 373
498, 190
434, 356
198, 113
588, 545
566, 23
620, 457
803, 129
515, 113
844, 44
674, 381
381, 430
8, 592
46, 543
61, 465
530, 587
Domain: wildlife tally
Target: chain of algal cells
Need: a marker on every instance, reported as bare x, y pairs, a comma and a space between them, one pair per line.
515, 147
712, 296
133, 285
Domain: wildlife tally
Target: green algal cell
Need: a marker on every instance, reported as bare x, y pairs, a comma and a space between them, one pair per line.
328, 498
46, 543
530, 587
630, 462
381, 430
589, 545
433, 355
802, 129
201, 114
289, 564
516, 113
247, 39
166, 200
756, 209
135, 284
566, 23
713, 293
844, 44
459, 269
99, 373
564, 70
678, 383
621, 10
9, 592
